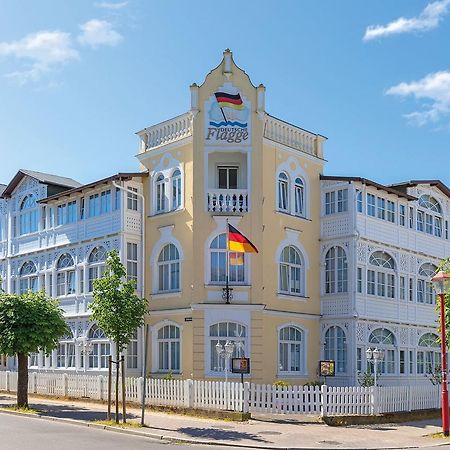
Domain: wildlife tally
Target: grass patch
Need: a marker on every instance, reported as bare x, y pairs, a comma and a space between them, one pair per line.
112, 423
20, 410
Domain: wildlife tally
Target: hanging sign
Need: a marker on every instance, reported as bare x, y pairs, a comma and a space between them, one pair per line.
240, 365
327, 368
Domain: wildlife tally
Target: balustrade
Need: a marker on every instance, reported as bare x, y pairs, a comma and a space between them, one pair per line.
228, 201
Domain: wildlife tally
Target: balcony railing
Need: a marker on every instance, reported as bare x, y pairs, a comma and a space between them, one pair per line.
228, 200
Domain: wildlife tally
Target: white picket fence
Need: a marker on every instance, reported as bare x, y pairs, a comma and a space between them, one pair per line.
232, 396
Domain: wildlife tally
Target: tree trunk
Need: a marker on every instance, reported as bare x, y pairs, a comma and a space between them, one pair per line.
22, 380
117, 386
124, 403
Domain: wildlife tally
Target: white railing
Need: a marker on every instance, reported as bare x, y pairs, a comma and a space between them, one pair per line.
290, 135
228, 200
233, 396
166, 132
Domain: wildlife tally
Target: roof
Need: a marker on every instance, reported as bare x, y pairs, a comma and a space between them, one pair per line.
389, 189
44, 178
117, 176
437, 183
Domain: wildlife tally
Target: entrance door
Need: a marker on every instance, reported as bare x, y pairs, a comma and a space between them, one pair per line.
227, 176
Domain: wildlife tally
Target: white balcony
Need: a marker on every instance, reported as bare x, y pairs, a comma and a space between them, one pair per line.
228, 201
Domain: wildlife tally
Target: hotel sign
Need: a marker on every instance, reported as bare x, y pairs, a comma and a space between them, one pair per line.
227, 118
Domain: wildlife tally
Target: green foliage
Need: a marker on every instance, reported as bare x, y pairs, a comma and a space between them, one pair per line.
366, 379
30, 322
314, 383
435, 376
116, 308
281, 383
169, 376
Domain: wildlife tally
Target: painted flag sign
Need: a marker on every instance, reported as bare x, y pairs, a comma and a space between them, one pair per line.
229, 100
237, 242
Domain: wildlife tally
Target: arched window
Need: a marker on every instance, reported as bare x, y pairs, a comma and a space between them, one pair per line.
299, 196
96, 260
425, 291
160, 193
101, 348
291, 271
65, 277
169, 269
28, 280
283, 192
336, 271
176, 189
220, 333
336, 348
65, 353
291, 350
218, 260
28, 216
429, 215
169, 348
381, 278
384, 339
428, 354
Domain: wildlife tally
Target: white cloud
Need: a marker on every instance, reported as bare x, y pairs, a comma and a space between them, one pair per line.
433, 90
98, 32
109, 5
44, 51
428, 19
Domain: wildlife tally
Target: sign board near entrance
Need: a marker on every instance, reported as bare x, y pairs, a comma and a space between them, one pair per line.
240, 365
327, 368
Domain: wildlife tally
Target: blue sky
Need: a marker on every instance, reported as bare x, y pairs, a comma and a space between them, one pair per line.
77, 79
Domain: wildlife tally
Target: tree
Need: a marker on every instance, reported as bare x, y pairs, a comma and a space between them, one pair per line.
29, 323
118, 311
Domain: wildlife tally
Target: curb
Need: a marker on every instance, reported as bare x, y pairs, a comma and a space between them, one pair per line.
181, 440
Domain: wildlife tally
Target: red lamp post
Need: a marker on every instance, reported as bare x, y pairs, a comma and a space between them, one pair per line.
441, 284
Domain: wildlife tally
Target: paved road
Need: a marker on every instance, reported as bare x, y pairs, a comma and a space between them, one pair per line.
28, 433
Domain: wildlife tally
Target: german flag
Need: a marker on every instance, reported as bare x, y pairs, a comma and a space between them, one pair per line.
236, 259
229, 100
237, 242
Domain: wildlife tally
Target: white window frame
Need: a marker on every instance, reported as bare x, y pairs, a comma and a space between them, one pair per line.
302, 344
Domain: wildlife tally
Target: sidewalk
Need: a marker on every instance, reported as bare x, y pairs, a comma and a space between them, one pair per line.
260, 432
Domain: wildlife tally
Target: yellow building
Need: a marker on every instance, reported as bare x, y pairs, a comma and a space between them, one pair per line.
225, 160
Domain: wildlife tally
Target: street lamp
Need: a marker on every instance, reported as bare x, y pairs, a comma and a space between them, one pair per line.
86, 347
441, 284
374, 356
225, 352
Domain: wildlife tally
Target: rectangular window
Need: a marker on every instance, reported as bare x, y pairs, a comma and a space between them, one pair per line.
402, 288
105, 202
94, 205
132, 261
330, 206
71, 212
381, 208
61, 214
411, 290
43, 221
390, 211
429, 223
411, 217
420, 221
359, 279
420, 291
359, 359
446, 229
81, 281
228, 177
371, 282
438, 226
371, 205
342, 200
402, 215
420, 363
381, 284
402, 362
411, 362
132, 199
82, 212
359, 202
390, 285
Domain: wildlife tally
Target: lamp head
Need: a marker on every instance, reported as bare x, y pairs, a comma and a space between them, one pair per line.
369, 353
378, 354
229, 348
219, 348
441, 282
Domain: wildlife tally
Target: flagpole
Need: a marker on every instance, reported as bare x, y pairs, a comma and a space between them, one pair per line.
227, 287
223, 114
